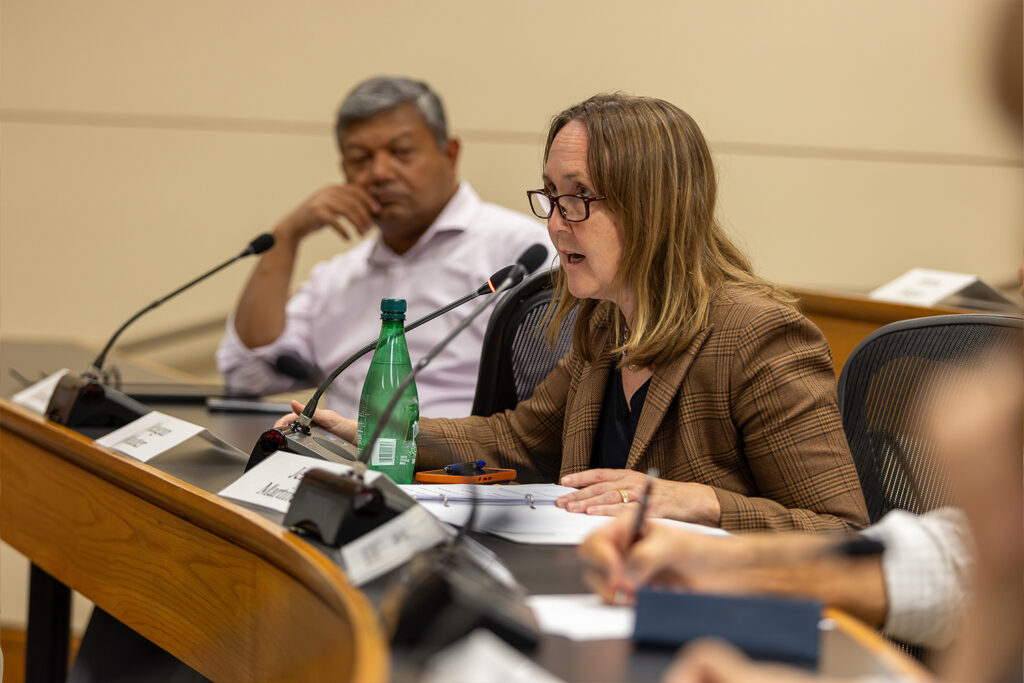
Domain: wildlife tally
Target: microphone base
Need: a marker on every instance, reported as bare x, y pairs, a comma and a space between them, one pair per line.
83, 401
445, 596
339, 508
290, 440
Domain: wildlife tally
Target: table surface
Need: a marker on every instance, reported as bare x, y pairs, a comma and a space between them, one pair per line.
540, 569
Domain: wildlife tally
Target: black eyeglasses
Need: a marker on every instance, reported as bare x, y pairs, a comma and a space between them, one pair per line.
574, 208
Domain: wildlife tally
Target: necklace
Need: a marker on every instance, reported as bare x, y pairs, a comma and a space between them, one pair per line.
629, 366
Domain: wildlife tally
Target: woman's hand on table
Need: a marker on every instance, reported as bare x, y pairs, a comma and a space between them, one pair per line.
327, 419
611, 491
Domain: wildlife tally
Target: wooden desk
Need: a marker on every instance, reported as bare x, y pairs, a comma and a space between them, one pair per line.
231, 593
846, 319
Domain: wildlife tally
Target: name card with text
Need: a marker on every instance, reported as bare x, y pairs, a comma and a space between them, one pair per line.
272, 483
155, 433
392, 544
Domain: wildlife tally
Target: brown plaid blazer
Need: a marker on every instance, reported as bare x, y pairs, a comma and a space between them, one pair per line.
749, 409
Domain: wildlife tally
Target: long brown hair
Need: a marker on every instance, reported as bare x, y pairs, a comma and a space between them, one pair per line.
651, 162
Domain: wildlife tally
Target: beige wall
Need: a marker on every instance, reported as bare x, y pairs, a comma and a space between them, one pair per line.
142, 142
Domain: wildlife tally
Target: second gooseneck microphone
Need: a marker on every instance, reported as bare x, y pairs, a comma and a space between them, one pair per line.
529, 261
513, 272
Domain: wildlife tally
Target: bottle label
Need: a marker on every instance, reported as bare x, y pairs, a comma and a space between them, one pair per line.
384, 453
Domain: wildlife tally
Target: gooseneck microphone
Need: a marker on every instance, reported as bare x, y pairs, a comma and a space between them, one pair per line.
259, 245
84, 401
341, 507
298, 436
508, 272
529, 261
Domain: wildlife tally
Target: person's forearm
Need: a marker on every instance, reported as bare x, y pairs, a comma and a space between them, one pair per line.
855, 586
260, 316
791, 564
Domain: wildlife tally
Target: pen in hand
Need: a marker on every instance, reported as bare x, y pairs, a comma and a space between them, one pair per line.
638, 526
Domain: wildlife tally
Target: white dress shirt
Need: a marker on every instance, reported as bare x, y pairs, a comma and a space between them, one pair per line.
337, 310
927, 564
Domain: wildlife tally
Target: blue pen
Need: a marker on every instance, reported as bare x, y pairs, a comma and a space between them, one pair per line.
465, 467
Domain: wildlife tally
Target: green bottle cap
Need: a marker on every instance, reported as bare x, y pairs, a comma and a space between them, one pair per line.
392, 306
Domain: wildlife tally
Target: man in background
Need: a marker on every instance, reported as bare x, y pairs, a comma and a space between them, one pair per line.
429, 240
435, 241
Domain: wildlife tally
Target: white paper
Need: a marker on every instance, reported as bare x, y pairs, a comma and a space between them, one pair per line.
485, 494
923, 287
540, 525
37, 397
582, 617
393, 543
272, 483
482, 657
149, 436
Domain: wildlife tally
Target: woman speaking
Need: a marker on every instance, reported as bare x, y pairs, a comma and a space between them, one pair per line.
682, 359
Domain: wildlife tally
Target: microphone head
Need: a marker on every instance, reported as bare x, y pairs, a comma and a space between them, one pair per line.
496, 279
531, 259
295, 367
260, 244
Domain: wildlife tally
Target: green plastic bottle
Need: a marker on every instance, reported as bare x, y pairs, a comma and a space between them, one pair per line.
394, 454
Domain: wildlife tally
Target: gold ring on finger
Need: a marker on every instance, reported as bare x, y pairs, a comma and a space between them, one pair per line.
625, 495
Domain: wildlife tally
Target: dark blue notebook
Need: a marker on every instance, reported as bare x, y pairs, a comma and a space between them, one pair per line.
779, 629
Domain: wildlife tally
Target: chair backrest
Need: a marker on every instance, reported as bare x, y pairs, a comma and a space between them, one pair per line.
516, 354
882, 398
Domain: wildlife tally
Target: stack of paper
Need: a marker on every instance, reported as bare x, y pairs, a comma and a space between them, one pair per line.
524, 514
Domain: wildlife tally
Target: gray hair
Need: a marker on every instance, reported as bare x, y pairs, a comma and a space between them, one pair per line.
384, 93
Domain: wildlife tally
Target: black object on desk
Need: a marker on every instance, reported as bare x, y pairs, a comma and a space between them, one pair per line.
172, 392
445, 594
779, 629
82, 401
340, 509
302, 440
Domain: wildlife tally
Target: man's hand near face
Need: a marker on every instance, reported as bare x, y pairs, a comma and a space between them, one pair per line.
260, 317
328, 206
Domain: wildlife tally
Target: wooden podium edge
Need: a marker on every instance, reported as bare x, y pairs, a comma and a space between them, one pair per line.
900, 664
214, 515
858, 307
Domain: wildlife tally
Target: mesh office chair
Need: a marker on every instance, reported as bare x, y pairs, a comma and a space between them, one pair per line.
516, 355
882, 388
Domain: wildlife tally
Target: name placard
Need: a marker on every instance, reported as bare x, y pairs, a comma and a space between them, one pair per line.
149, 436
272, 483
391, 544
37, 396
926, 287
